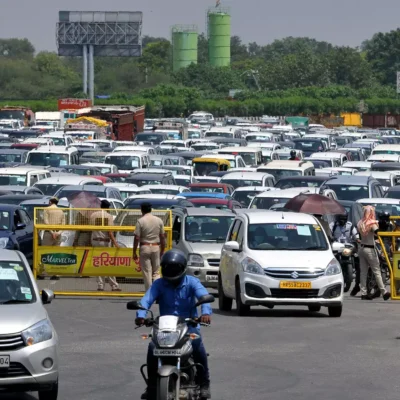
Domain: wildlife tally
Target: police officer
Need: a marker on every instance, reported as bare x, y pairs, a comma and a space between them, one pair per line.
343, 230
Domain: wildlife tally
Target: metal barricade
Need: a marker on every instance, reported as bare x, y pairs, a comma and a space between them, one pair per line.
65, 253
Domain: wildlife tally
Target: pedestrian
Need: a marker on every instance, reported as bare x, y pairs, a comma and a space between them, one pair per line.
293, 156
53, 215
368, 227
149, 233
104, 239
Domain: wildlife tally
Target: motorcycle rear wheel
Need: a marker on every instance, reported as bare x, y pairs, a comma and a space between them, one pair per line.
166, 387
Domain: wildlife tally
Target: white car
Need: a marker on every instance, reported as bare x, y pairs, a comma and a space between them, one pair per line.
278, 259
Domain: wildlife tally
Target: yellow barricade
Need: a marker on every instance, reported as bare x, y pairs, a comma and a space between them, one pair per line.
64, 252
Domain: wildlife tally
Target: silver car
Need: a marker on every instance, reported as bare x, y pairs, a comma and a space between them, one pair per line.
28, 340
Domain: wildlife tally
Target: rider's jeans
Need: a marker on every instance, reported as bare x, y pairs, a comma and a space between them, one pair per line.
199, 356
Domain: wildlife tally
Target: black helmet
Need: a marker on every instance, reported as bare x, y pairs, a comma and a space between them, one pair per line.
342, 217
292, 153
173, 265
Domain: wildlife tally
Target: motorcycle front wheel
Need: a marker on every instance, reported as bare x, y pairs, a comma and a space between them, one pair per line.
167, 388
347, 276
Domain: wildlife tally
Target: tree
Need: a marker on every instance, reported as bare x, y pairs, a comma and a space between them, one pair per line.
156, 57
16, 48
202, 45
383, 54
238, 49
150, 39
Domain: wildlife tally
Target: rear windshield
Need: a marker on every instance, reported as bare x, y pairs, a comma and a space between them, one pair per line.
265, 203
351, 192
309, 145
242, 182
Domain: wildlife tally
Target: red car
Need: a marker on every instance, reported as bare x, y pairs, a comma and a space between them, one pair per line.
104, 179
24, 146
216, 203
118, 177
212, 187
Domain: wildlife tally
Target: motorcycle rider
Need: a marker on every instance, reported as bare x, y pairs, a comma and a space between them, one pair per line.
343, 230
176, 294
293, 156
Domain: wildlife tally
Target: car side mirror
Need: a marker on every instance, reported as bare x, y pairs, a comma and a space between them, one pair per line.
232, 246
20, 226
47, 296
205, 299
336, 247
135, 305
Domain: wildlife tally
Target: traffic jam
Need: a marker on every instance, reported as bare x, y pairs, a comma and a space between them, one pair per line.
215, 206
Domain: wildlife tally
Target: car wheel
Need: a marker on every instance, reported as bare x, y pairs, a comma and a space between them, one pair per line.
314, 308
51, 394
241, 309
335, 312
224, 303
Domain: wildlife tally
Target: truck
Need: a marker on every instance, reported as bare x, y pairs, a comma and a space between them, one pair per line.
126, 121
175, 128
21, 113
50, 118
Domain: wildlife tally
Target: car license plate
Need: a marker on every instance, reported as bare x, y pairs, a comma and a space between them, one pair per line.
212, 278
294, 285
167, 352
4, 362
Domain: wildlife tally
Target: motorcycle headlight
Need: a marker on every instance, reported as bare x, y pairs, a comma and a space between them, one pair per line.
347, 252
252, 267
4, 242
195, 260
167, 339
333, 268
37, 333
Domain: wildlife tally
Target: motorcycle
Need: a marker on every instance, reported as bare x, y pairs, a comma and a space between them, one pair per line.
176, 375
345, 253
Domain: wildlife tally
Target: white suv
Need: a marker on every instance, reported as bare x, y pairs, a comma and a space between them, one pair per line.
275, 258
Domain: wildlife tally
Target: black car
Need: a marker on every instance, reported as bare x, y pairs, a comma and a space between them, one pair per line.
16, 230
309, 145
17, 199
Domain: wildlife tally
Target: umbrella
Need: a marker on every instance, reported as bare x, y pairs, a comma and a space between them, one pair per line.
315, 204
84, 200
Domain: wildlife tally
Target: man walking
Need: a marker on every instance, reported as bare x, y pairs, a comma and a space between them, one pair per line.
53, 215
151, 236
104, 239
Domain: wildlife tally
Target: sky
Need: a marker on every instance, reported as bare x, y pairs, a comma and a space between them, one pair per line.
341, 22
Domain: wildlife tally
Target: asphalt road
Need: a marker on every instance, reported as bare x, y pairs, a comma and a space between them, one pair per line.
272, 354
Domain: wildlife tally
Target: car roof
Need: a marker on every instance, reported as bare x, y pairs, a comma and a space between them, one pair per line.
312, 178
9, 207
379, 200
208, 200
210, 184
244, 175
11, 255
85, 188
67, 180
146, 176
208, 212
253, 188
23, 197
347, 180
278, 217
284, 193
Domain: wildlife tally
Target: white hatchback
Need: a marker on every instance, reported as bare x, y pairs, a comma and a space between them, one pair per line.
274, 258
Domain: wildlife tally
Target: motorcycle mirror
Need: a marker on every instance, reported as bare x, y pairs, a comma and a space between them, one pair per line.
205, 299
134, 305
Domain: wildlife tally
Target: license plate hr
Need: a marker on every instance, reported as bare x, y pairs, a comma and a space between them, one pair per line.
294, 285
4, 362
167, 352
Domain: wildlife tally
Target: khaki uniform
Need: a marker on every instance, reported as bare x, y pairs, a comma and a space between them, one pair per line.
148, 229
102, 239
369, 259
52, 215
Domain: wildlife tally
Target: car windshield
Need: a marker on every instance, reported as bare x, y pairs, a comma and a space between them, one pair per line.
201, 147
291, 183
265, 203
207, 229
125, 193
384, 182
49, 189
51, 159
15, 284
392, 209
207, 189
249, 158
355, 155
242, 182
68, 193
164, 191
19, 180
350, 192
219, 134
121, 179
124, 162
194, 135
10, 158
258, 138
182, 181
156, 163
282, 236
205, 168
211, 205
245, 197
149, 137
143, 182
396, 152
82, 171
5, 223
308, 145
58, 141
283, 173
341, 141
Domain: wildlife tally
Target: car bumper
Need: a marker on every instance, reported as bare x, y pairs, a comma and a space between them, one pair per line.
263, 290
208, 276
31, 375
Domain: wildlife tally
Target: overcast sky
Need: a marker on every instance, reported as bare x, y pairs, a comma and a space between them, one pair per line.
341, 22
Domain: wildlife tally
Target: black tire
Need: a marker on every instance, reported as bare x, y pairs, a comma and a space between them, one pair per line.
224, 303
49, 394
335, 312
166, 387
348, 277
314, 308
241, 309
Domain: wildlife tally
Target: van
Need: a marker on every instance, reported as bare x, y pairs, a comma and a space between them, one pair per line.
204, 166
50, 186
53, 156
250, 155
22, 176
239, 179
334, 159
285, 168
225, 132
127, 161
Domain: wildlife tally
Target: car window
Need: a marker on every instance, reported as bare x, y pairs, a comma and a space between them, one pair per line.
234, 231
25, 217
240, 235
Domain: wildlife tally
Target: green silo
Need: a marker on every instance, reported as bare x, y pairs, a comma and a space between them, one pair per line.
219, 37
184, 46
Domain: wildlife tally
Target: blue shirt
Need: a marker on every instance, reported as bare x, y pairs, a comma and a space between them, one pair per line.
176, 300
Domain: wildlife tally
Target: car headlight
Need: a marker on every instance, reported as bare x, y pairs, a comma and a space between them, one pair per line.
333, 268
37, 333
167, 339
252, 267
195, 260
4, 242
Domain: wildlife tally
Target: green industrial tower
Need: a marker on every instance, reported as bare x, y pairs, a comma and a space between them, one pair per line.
219, 36
184, 46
